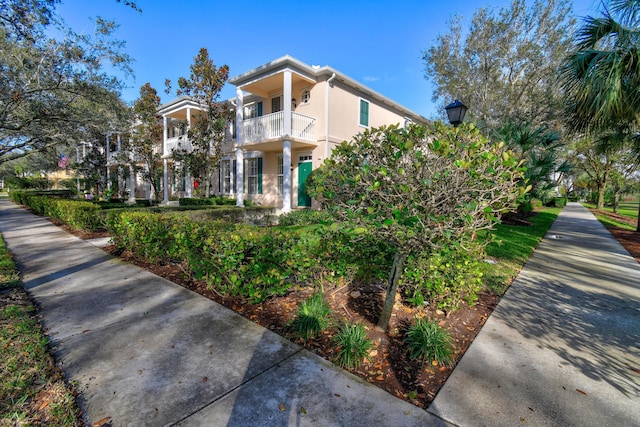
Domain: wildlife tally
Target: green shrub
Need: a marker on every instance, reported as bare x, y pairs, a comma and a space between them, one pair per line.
312, 317
342, 250
305, 217
560, 202
353, 345
223, 201
427, 341
188, 201
445, 278
147, 234
78, 214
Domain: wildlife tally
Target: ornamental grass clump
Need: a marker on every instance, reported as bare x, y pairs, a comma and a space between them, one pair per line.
353, 345
312, 317
428, 341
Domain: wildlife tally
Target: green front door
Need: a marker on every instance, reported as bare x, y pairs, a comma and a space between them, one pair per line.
304, 169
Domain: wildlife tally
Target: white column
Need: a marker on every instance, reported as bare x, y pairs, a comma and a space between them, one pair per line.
239, 177
165, 181
164, 135
239, 154
188, 179
120, 184
132, 185
108, 152
77, 173
286, 176
287, 103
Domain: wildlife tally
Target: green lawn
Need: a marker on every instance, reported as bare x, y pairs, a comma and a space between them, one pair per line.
512, 246
626, 208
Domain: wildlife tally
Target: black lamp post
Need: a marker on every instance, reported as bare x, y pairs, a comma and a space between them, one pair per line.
456, 111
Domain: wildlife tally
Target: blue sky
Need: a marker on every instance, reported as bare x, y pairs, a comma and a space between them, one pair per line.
378, 43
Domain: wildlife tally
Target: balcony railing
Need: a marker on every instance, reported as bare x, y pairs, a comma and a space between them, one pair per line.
179, 142
121, 157
271, 126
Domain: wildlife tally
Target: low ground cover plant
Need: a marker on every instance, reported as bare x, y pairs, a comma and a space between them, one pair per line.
426, 341
312, 317
353, 345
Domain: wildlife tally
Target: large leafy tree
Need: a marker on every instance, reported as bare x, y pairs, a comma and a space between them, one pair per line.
419, 188
53, 85
596, 164
146, 138
505, 65
206, 131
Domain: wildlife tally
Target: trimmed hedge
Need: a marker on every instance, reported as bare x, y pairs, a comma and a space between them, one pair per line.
241, 259
260, 262
79, 215
212, 201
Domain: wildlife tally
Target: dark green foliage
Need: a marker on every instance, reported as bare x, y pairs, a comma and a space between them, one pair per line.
79, 215
211, 201
16, 182
357, 252
444, 278
312, 317
353, 345
558, 202
427, 341
305, 217
188, 201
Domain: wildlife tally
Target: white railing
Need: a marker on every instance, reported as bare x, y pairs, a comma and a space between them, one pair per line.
122, 157
272, 126
176, 143
303, 127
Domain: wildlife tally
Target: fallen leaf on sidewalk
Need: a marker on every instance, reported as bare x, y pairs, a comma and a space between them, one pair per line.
106, 421
282, 407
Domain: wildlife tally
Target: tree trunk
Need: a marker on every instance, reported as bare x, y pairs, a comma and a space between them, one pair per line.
638, 226
392, 290
600, 203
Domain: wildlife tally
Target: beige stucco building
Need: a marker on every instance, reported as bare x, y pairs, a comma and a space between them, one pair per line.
288, 118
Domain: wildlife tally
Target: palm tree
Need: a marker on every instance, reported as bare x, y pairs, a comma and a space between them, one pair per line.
541, 149
602, 76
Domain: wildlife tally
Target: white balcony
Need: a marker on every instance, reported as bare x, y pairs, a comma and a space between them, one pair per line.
271, 126
179, 142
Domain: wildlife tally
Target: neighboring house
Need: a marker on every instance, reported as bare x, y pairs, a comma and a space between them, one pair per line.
289, 117
120, 169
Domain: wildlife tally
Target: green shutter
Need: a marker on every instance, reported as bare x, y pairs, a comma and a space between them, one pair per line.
259, 175
259, 108
235, 178
364, 113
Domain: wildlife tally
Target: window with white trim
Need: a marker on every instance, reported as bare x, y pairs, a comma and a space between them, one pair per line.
276, 104
306, 96
226, 176
364, 113
254, 175
280, 175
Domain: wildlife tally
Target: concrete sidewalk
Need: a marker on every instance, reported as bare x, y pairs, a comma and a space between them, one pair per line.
145, 351
563, 346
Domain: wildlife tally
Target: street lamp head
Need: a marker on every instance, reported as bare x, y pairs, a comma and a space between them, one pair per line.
456, 111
